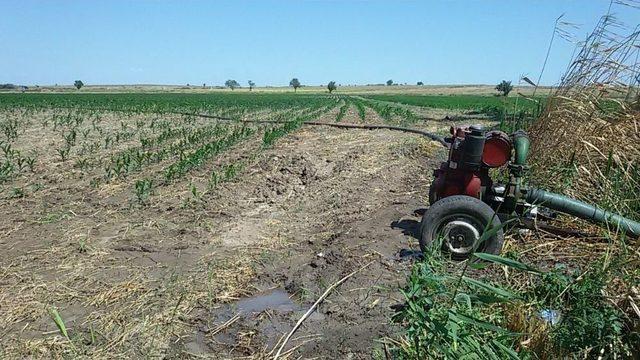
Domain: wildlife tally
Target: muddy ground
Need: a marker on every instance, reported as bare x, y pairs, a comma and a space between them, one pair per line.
220, 273
342, 200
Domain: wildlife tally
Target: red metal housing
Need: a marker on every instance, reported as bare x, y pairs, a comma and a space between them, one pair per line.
454, 178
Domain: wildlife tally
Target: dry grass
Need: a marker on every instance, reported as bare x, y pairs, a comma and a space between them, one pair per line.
586, 142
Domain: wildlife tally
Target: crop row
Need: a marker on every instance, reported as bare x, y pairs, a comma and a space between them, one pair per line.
234, 104
208, 150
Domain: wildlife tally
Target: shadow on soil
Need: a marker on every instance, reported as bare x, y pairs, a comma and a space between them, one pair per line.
410, 227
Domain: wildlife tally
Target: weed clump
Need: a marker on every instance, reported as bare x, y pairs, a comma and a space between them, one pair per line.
587, 322
559, 313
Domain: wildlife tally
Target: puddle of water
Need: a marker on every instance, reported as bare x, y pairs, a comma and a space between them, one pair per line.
277, 300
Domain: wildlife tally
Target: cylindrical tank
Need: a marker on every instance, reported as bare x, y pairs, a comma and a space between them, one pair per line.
473, 148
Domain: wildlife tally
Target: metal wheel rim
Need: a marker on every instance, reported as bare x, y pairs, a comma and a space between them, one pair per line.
452, 227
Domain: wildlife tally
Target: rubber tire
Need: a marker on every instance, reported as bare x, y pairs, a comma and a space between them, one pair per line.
466, 205
432, 193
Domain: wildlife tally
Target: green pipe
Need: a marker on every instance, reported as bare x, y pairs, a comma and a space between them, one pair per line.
582, 210
521, 144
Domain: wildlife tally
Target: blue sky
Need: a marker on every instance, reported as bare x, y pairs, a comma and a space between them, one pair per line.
269, 42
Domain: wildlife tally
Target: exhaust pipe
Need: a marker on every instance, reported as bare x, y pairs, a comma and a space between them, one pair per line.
582, 210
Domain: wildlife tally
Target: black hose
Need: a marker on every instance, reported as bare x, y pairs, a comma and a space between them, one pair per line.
431, 136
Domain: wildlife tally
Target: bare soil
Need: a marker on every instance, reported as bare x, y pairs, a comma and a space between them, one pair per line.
338, 200
224, 272
221, 272
137, 280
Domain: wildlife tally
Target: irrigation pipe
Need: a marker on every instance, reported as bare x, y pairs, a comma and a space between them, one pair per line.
313, 307
431, 136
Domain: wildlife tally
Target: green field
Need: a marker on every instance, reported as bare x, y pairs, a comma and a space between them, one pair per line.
159, 102
466, 102
203, 100
391, 108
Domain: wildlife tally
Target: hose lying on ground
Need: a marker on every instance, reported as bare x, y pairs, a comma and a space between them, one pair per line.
553, 201
431, 136
583, 210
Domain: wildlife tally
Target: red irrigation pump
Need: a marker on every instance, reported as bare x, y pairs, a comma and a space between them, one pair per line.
465, 201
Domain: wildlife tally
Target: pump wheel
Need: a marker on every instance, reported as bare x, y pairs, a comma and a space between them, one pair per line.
459, 221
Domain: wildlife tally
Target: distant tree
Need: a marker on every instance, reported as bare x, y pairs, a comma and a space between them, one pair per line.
295, 83
420, 83
204, 85
389, 82
232, 84
251, 85
504, 87
331, 86
78, 84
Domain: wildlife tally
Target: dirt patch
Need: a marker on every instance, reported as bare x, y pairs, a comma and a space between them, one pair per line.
337, 200
172, 278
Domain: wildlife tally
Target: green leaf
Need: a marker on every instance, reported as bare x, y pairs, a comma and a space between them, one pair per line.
477, 322
55, 315
487, 298
490, 288
488, 350
512, 354
489, 233
478, 265
464, 297
507, 262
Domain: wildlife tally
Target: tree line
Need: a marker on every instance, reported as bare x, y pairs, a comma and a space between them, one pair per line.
504, 87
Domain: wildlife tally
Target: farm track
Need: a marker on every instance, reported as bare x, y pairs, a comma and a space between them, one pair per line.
331, 200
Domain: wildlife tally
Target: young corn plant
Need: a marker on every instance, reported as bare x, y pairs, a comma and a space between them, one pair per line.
6, 149
17, 193
57, 319
361, 110
31, 161
6, 171
343, 111
10, 129
64, 153
82, 164
214, 180
21, 163
231, 170
144, 189
70, 138
194, 192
